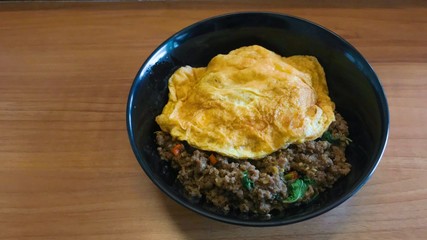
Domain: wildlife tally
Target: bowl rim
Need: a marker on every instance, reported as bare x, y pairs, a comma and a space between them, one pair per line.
374, 82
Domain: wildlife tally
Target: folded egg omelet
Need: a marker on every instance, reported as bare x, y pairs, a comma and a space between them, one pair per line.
248, 103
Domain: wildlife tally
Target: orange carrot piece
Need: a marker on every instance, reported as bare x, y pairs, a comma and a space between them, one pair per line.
176, 150
291, 175
212, 159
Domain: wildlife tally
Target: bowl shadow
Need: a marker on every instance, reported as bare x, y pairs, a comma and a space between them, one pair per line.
193, 226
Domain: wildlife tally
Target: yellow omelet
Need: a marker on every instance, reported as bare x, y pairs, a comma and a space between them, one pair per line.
248, 103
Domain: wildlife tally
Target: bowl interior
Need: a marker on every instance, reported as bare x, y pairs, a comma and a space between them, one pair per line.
352, 83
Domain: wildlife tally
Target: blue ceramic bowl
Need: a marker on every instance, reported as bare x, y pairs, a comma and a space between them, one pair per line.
353, 86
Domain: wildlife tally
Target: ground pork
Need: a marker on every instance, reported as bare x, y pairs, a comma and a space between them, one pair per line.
259, 186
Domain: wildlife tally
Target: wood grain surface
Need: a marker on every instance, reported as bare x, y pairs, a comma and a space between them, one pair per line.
66, 167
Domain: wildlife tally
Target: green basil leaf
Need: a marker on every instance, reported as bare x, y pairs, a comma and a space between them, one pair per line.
246, 181
327, 136
297, 190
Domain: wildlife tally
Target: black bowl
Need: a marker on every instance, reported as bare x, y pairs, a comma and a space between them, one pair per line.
353, 86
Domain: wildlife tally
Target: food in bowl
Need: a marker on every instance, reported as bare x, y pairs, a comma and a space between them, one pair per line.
253, 131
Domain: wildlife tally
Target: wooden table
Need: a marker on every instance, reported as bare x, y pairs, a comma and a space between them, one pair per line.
66, 167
